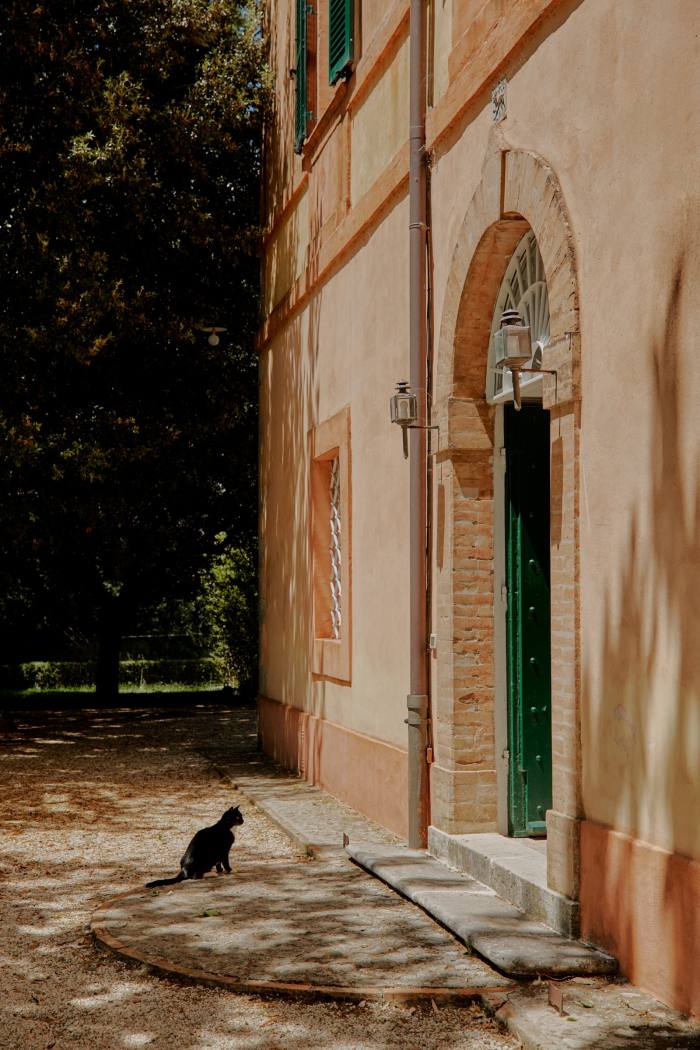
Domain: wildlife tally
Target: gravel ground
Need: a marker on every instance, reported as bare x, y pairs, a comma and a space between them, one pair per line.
96, 801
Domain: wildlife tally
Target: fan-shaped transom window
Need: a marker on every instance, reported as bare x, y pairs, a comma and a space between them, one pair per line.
523, 288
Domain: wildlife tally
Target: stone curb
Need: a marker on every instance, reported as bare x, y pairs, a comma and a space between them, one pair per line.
316, 849
313, 850
285, 989
308, 848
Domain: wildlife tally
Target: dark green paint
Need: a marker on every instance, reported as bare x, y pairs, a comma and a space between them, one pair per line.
301, 114
340, 37
528, 620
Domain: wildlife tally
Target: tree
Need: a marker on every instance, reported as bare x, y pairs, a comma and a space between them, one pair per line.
229, 612
129, 172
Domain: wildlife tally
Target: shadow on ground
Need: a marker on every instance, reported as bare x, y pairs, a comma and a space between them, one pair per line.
97, 801
322, 924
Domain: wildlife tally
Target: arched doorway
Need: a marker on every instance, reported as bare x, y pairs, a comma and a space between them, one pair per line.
522, 645
517, 204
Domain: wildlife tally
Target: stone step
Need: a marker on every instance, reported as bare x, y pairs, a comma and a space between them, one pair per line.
477, 916
516, 869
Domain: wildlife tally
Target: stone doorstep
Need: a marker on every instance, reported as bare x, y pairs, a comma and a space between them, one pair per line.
516, 869
477, 916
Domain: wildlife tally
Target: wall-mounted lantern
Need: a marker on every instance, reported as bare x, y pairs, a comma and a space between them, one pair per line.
512, 349
404, 411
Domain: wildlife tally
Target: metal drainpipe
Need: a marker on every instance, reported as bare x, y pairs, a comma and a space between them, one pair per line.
417, 699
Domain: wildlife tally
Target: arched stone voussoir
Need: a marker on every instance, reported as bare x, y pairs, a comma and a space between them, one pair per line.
532, 190
483, 212
529, 197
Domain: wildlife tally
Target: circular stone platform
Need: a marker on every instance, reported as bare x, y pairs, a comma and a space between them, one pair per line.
316, 928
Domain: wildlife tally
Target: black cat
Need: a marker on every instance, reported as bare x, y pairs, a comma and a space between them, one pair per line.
209, 847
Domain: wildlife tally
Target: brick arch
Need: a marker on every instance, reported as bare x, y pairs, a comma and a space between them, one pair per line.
470, 341
518, 191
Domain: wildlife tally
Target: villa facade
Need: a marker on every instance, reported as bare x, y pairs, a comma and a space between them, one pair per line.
562, 540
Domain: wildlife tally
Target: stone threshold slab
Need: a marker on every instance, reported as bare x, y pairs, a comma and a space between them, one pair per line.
478, 917
515, 869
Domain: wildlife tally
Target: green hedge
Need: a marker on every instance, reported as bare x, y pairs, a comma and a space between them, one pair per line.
67, 674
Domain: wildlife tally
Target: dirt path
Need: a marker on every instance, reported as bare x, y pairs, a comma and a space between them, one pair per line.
94, 802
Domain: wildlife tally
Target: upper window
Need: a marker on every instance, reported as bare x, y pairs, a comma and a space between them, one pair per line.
331, 21
301, 108
523, 288
340, 38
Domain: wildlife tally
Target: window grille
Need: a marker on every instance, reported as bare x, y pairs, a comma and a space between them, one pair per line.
335, 547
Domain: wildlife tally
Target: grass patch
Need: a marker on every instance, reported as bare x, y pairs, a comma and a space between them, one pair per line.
178, 695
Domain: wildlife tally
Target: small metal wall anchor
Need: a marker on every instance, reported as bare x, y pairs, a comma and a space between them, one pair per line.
499, 108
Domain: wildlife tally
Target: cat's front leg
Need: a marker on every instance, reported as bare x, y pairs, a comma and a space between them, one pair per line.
226, 863
219, 867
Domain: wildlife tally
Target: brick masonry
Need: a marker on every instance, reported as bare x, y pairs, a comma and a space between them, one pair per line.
518, 191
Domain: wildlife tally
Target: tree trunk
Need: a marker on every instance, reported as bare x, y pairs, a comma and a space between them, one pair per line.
109, 647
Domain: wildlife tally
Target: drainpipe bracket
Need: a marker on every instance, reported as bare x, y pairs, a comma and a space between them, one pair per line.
417, 705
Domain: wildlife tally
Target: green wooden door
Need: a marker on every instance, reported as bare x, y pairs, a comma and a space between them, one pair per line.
528, 619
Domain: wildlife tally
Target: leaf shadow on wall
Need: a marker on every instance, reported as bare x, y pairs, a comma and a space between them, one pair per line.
288, 410
651, 642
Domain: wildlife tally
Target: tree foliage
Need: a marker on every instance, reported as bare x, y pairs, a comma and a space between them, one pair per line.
129, 168
229, 608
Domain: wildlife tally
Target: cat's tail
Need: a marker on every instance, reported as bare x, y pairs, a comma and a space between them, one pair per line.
167, 882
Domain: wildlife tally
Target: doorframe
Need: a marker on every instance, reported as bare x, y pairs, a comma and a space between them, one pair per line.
517, 189
500, 626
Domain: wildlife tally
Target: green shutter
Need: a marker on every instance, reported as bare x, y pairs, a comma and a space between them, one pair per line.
301, 112
340, 38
